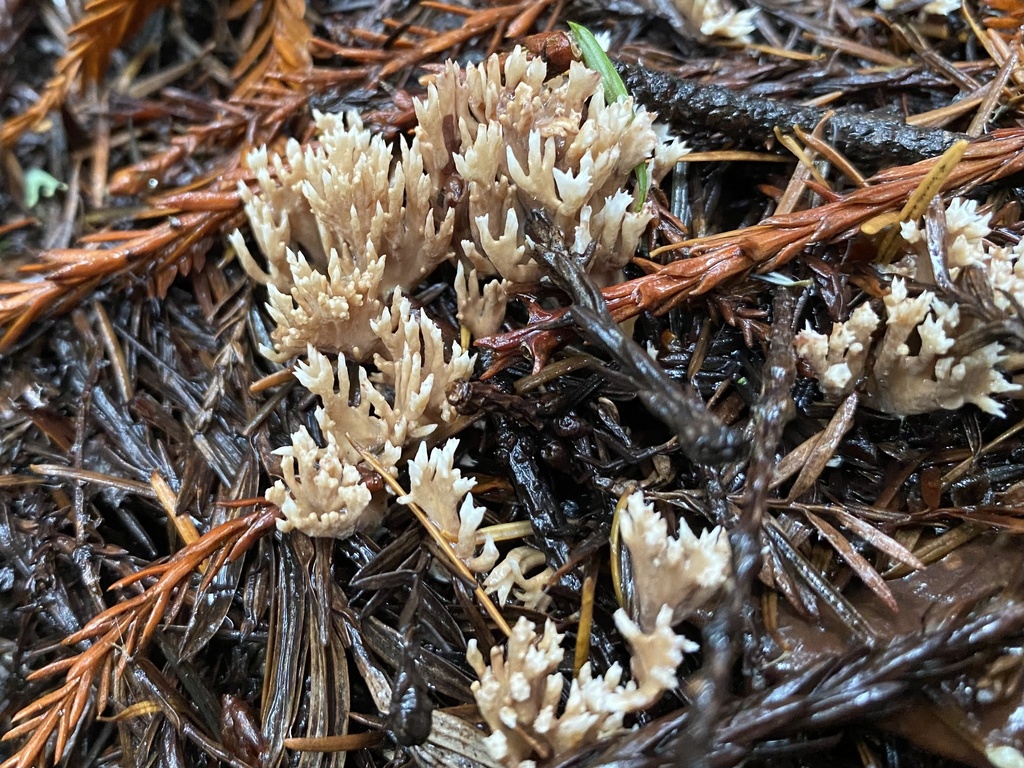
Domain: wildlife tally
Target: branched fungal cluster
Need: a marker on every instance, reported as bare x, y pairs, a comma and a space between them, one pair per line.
870, 567
930, 354
348, 226
519, 693
715, 18
681, 573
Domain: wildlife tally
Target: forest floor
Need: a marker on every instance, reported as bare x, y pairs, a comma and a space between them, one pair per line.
851, 166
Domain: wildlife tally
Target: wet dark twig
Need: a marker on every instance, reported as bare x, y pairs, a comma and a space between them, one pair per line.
863, 684
710, 688
696, 108
702, 436
518, 451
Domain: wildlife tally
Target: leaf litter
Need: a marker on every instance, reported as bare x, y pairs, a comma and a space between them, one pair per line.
151, 611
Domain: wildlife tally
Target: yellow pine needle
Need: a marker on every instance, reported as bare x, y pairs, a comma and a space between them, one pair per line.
918, 202
733, 156
793, 146
937, 548
875, 225
505, 532
615, 545
782, 53
586, 618
169, 501
139, 709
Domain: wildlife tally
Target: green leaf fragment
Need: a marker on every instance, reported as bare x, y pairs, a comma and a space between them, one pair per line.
38, 183
595, 58
614, 89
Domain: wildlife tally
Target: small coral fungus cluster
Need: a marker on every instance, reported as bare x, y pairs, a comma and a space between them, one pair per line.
348, 226
931, 353
519, 693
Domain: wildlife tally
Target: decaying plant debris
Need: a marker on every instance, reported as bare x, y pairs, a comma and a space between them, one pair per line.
361, 403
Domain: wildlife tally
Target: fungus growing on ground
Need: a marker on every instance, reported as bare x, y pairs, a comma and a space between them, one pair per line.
511, 574
437, 486
502, 140
714, 18
348, 224
520, 691
681, 573
931, 354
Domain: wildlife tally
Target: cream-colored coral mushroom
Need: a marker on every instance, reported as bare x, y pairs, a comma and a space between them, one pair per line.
329, 309
415, 361
349, 223
966, 229
916, 368
325, 495
437, 486
522, 142
360, 193
481, 309
415, 372
905, 383
715, 18
365, 224
518, 688
279, 217
682, 572
1005, 273
511, 572
966, 246
656, 655
337, 417
519, 692
348, 218
321, 494
838, 360
926, 358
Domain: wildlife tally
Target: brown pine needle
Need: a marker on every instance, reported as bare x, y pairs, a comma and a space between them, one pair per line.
857, 562
766, 246
127, 628
346, 743
104, 26
281, 46
271, 380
